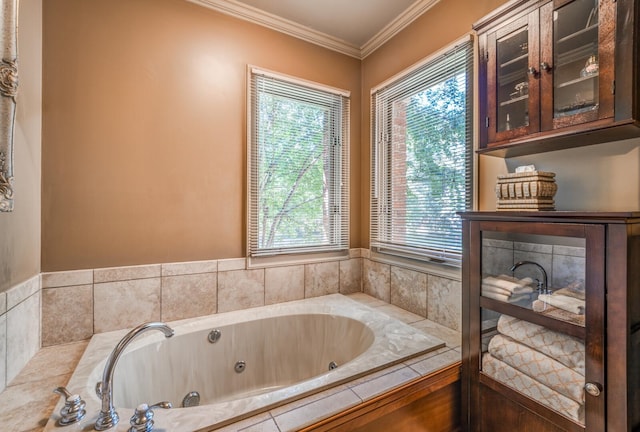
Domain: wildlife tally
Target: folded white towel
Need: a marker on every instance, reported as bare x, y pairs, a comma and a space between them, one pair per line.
570, 304
507, 283
497, 290
507, 298
574, 289
494, 289
557, 313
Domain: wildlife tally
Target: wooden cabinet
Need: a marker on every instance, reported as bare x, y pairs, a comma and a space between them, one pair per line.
551, 321
557, 74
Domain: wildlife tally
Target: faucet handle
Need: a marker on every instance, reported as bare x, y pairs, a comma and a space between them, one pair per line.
73, 409
142, 419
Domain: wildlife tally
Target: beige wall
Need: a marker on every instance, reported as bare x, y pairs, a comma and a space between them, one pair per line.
20, 230
144, 129
604, 177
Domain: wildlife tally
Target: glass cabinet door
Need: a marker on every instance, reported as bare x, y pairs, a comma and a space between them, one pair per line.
575, 38
541, 295
513, 85
512, 101
576, 62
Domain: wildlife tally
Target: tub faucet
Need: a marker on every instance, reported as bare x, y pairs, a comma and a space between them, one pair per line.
543, 287
108, 416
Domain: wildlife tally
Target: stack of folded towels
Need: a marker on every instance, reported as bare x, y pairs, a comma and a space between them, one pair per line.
543, 364
508, 289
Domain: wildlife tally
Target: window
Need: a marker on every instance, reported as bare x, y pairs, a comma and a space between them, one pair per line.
422, 158
298, 166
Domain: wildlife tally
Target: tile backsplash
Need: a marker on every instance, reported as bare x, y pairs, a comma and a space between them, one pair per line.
77, 304
563, 264
68, 306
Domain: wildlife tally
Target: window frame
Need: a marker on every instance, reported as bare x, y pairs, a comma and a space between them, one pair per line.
338, 244
380, 245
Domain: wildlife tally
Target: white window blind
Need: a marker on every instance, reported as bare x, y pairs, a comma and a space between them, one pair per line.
422, 138
298, 167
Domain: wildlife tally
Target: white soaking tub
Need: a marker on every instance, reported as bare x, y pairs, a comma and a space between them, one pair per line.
263, 357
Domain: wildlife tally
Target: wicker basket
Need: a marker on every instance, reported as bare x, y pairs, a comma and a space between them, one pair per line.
531, 190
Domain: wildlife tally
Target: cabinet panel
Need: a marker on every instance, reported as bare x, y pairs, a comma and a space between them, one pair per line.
504, 415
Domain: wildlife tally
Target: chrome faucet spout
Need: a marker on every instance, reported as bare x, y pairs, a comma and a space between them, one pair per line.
543, 287
108, 416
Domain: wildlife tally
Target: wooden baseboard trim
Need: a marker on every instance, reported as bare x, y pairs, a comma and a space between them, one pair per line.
389, 402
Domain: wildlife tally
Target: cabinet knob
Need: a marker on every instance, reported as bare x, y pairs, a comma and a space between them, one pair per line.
545, 66
532, 71
593, 389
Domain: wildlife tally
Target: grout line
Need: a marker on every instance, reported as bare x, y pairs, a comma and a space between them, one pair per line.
217, 295
273, 419
6, 351
160, 298
93, 300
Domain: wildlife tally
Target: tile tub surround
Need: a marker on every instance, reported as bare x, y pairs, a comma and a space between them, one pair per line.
107, 299
29, 401
78, 304
393, 343
19, 328
432, 296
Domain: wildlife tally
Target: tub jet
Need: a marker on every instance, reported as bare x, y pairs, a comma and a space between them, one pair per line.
191, 399
214, 336
240, 366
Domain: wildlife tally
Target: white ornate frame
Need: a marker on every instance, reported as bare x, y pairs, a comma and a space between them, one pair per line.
8, 92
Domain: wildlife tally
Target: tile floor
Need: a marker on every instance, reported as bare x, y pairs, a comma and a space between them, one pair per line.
27, 402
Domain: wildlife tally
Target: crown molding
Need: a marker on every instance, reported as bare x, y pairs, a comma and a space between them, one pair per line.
257, 16
274, 22
412, 13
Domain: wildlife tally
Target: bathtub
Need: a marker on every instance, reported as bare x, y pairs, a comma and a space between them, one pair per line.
244, 362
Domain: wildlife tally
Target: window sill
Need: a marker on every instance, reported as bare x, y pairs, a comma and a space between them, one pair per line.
442, 270
309, 258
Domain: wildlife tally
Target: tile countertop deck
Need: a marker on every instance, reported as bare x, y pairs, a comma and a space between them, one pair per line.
28, 401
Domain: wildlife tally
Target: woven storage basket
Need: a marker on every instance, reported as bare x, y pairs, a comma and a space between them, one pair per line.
531, 190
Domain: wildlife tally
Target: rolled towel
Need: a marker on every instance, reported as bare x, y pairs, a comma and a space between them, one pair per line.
528, 386
568, 350
486, 338
570, 304
539, 366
